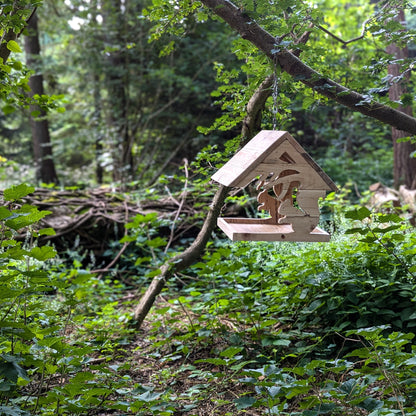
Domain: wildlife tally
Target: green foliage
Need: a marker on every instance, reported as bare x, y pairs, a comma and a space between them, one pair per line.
285, 329
23, 281
290, 328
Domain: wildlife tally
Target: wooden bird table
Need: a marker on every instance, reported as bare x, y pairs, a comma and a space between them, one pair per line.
290, 184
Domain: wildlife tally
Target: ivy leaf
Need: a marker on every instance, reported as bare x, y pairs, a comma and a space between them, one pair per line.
13, 46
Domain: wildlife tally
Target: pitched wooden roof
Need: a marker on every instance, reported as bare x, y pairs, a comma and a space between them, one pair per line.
268, 154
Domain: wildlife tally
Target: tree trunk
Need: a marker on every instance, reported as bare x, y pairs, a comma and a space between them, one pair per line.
404, 171
116, 73
99, 171
42, 147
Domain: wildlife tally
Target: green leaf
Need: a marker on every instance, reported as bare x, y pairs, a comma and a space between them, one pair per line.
139, 219
17, 65
358, 214
371, 404
349, 386
397, 237
369, 239
47, 231
403, 139
18, 329
4, 213
42, 253
307, 102
274, 390
83, 376
383, 218
8, 109
12, 371
13, 46
156, 242
355, 230
12, 411
230, 352
411, 361
149, 396
244, 402
35, 113
215, 361
153, 273
17, 192
27, 215
386, 229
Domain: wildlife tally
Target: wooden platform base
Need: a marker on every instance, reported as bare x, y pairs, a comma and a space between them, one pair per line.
251, 229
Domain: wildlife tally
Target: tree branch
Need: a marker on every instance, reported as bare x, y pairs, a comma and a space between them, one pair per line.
251, 31
182, 260
10, 34
346, 42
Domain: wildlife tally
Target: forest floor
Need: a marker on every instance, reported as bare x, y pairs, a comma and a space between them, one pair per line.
201, 388
178, 367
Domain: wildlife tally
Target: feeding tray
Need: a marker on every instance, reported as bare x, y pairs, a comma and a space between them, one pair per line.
290, 184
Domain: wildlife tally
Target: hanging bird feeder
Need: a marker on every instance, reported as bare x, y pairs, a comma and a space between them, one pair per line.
290, 184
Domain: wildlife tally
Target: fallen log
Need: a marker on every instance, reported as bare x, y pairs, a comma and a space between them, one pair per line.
95, 217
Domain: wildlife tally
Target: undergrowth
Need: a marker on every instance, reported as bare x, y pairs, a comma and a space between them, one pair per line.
252, 329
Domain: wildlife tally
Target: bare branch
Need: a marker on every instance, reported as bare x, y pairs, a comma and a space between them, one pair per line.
251, 31
346, 42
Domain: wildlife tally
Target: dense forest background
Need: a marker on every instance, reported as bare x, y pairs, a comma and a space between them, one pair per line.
118, 293
136, 107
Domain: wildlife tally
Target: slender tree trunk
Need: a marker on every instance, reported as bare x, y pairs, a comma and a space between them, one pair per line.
99, 171
404, 171
98, 108
42, 146
116, 73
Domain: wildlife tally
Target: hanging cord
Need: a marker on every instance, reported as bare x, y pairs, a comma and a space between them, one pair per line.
275, 96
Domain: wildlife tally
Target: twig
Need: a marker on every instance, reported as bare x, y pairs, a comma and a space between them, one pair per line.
178, 212
346, 42
125, 245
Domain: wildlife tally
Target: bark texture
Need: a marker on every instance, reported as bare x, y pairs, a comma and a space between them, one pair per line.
404, 171
251, 31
